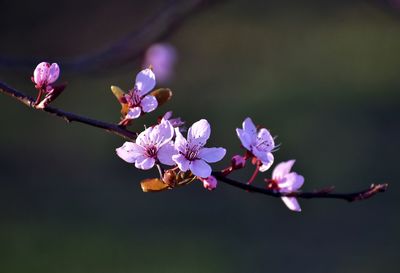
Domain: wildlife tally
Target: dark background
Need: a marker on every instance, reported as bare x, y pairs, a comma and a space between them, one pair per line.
322, 75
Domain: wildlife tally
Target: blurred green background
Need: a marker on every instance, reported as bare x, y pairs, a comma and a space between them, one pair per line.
322, 75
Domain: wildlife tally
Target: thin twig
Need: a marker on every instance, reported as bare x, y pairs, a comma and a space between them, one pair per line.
115, 129
67, 116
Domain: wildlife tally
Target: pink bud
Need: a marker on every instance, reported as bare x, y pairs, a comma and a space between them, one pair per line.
45, 74
209, 183
238, 162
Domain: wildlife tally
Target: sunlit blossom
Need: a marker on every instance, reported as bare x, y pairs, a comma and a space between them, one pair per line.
152, 145
260, 143
286, 181
192, 154
137, 99
45, 74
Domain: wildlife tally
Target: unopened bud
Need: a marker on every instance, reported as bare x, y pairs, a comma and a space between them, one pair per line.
238, 162
209, 183
169, 178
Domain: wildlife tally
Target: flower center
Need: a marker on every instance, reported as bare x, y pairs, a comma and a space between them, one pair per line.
191, 152
263, 145
133, 98
151, 151
272, 184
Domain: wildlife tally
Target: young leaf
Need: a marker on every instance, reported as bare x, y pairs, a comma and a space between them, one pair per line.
162, 95
153, 185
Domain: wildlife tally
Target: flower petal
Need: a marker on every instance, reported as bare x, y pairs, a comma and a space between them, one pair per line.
144, 162
267, 164
41, 73
200, 168
143, 139
181, 161
145, 81
133, 113
211, 155
292, 182
282, 169
210, 183
129, 151
291, 203
265, 141
165, 154
149, 103
180, 141
54, 72
245, 138
199, 132
249, 127
162, 133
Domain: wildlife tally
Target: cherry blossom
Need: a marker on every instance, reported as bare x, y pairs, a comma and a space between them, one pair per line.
152, 145
45, 74
286, 182
192, 154
209, 183
137, 99
260, 144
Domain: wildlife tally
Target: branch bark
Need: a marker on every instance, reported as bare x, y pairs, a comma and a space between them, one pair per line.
122, 132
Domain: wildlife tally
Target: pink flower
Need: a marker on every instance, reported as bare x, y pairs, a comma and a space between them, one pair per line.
137, 100
175, 122
152, 145
192, 154
286, 182
209, 183
45, 74
162, 57
260, 144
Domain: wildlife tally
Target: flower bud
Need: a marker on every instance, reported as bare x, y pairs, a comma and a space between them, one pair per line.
169, 178
209, 183
238, 162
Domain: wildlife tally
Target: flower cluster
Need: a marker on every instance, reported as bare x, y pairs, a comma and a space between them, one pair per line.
187, 158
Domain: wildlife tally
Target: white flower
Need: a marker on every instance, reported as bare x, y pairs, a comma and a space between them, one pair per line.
193, 155
137, 99
285, 181
260, 144
152, 145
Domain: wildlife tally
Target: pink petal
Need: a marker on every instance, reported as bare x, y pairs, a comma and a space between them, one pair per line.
291, 182
199, 133
211, 155
130, 151
149, 103
143, 139
282, 169
267, 164
181, 161
144, 163
210, 183
54, 72
162, 133
41, 73
265, 141
262, 155
245, 138
180, 141
165, 154
200, 168
145, 81
291, 203
249, 127
134, 113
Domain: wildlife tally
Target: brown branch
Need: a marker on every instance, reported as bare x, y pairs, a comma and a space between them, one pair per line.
158, 26
117, 130
67, 116
353, 196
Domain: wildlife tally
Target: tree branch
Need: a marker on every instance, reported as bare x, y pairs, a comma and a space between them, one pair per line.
122, 132
158, 26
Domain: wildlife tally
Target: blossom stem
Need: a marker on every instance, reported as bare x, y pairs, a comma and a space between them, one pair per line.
39, 97
254, 173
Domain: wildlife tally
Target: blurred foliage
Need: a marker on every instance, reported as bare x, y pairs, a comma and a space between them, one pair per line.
323, 76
